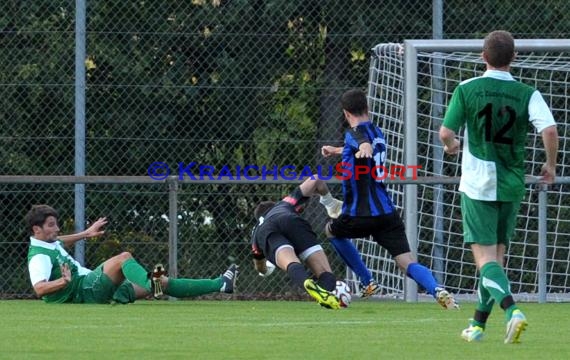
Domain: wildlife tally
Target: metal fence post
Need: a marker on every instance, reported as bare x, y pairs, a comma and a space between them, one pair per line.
411, 158
437, 150
173, 226
80, 85
542, 248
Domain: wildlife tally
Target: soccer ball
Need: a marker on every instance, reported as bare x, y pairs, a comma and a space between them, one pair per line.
343, 293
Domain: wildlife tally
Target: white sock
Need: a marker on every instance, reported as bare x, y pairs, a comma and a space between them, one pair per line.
327, 200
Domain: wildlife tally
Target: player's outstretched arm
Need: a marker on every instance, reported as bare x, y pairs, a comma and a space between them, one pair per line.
92, 231
550, 140
328, 150
46, 287
450, 142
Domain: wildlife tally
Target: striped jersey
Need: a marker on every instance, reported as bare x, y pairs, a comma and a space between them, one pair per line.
364, 191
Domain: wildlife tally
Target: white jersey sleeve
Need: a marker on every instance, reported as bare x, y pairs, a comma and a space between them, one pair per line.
40, 268
539, 113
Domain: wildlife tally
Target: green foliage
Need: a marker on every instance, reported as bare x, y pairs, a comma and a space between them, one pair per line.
216, 82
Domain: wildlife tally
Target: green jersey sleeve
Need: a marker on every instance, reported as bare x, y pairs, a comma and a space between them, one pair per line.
455, 115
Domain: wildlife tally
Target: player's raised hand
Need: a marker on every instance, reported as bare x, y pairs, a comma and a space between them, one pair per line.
328, 150
548, 173
364, 151
65, 273
95, 228
453, 149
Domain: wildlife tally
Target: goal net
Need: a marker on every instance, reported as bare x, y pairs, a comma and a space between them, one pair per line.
409, 87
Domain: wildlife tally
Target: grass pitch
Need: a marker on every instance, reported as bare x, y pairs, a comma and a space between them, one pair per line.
270, 330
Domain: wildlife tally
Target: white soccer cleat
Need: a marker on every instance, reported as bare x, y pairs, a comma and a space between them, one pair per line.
472, 333
515, 327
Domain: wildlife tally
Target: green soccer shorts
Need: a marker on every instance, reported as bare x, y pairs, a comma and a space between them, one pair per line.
488, 222
97, 288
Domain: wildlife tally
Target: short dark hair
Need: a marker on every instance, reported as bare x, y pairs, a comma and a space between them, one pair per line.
262, 208
355, 102
499, 48
37, 216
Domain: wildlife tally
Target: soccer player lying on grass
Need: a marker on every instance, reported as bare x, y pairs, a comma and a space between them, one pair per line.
58, 278
285, 238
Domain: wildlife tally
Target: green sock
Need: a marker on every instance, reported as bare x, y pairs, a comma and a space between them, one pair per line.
182, 288
484, 305
494, 280
136, 274
509, 311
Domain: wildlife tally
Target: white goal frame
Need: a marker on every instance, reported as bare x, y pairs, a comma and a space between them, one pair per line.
410, 49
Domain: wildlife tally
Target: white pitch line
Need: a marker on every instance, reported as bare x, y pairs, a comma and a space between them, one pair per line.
379, 321
305, 323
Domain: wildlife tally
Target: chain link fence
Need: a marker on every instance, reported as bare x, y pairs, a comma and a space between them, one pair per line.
214, 227
218, 82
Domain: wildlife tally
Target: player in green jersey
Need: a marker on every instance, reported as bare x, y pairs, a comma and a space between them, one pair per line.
495, 110
58, 278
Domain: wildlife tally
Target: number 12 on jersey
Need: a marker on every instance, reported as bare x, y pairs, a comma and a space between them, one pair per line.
379, 159
499, 137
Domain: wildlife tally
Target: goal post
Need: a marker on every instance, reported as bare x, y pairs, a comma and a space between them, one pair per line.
409, 87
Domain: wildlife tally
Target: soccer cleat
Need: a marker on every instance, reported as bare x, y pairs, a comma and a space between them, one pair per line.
335, 210
229, 279
445, 299
324, 298
372, 288
515, 327
472, 333
156, 280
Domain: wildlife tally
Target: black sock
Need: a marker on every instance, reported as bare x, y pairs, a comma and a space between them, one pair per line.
297, 274
327, 281
507, 302
481, 317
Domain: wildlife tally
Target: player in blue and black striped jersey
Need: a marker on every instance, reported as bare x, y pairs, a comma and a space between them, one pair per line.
363, 194
368, 209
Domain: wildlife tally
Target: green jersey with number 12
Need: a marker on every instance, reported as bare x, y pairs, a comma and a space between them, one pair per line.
496, 111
